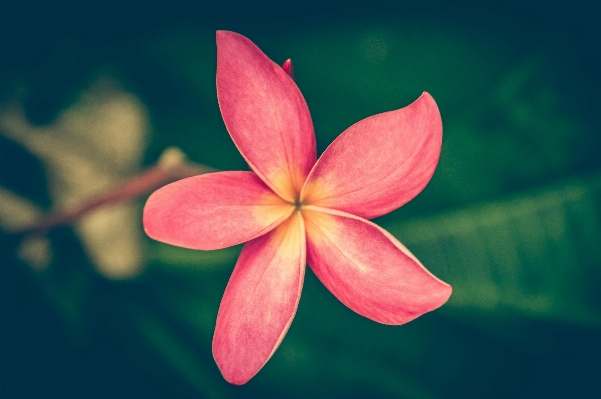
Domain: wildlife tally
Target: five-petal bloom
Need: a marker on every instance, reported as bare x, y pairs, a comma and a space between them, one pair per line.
293, 210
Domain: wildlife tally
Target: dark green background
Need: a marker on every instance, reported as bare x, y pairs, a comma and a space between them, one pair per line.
512, 217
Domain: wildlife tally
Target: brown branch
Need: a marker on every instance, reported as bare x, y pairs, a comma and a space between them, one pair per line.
171, 166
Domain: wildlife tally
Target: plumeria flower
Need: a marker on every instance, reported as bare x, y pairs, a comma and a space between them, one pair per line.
293, 209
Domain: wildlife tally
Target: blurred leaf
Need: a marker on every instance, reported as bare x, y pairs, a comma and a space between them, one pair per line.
90, 146
537, 254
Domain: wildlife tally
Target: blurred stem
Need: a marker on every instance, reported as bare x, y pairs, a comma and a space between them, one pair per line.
171, 166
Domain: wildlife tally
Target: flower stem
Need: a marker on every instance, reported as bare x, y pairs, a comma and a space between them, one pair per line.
171, 166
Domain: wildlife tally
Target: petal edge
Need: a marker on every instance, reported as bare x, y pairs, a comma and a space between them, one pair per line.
380, 163
260, 301
368, 269
265, 114
213, 211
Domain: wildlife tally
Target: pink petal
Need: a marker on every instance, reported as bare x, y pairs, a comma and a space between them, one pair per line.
265, 113
379, 163
368, 269
260, 301
213, 211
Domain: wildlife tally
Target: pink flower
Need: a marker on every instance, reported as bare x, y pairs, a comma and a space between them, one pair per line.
292, 210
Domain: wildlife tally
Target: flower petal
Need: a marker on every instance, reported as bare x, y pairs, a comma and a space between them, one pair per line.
368, 269
379, 163
213, 211
260, 301
265, 113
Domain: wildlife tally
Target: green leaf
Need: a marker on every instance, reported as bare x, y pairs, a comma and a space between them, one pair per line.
536, 254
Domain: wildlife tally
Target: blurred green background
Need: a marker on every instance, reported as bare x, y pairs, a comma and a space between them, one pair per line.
90, 95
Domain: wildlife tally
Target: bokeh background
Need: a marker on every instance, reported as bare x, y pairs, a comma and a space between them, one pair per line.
92, 94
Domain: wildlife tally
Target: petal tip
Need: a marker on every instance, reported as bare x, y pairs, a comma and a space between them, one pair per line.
222, 34
437, 298
425, 94
231, 374
234, 377
446, 292
223, 37
439, 293
426, 98
147, 217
